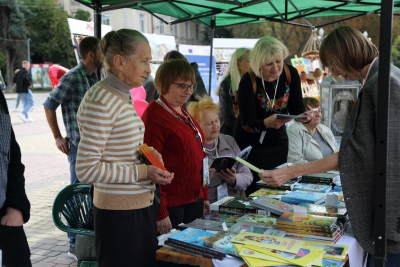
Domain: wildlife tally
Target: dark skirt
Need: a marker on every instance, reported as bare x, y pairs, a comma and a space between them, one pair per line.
125, 237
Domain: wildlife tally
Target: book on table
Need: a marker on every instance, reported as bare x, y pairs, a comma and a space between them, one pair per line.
255, 228
318, 188
268, 192
271, 205
267, 221
215, 216
215, 205
239, 205
308, 221
297, 197
221, 241
254, 258
322, 210
288, 185
332, 251
207, 225
193, 239
323, 178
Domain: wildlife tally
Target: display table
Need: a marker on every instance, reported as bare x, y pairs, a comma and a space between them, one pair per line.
355, 256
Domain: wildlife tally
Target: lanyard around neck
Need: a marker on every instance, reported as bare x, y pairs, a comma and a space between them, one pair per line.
276, 88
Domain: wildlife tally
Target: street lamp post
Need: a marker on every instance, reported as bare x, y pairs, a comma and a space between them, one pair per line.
29, 53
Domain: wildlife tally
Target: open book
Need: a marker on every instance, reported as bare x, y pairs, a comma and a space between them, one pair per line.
224, 162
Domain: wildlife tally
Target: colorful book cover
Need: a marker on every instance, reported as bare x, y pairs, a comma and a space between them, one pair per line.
215, 205
255, 228
221, 241
270, 242
319, 188
308, 232
272, 205
249, 253
194, 237
332, 251
239, 205
331, 263
215, 216
296, 197
207, 225
258, 219
192, 249
290, 218
254, 262
272, 193
305, 256
324, 210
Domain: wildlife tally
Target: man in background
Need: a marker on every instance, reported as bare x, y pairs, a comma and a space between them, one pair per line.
23, 80
69, 94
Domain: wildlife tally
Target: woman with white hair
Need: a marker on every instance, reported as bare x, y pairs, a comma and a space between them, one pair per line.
237, 67
277, 90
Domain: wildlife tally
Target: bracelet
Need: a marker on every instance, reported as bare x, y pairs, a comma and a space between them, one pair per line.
58, 138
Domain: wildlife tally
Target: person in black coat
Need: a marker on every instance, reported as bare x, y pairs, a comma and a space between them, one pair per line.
14, 204
238, 66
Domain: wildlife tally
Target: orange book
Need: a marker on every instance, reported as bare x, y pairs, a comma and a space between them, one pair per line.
150, 156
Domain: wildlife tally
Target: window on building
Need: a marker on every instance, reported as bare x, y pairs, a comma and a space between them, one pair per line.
141, 23
161, 27
187, 36
197, 32
105, 19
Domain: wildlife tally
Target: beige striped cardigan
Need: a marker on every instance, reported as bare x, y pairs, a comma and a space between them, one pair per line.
108, 153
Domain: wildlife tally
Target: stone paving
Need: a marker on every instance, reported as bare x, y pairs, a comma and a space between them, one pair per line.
46, 173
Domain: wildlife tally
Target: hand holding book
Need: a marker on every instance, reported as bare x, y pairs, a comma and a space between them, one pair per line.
156, 172
229, 175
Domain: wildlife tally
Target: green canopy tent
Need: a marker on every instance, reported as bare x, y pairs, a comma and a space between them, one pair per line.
221, 13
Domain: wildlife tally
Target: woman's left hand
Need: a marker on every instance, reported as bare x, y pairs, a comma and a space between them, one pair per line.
229, 175
309, 112
206, 208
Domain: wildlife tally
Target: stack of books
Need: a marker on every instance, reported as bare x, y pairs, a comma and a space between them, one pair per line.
318, 188
215, 216
311, 227
268, 192
240, 206
285, 186
255, 228
207, 225
191, 241
297, 197
272, 205
326, 178
258, 219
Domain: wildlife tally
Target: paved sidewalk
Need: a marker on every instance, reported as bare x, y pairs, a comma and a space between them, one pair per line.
46, 173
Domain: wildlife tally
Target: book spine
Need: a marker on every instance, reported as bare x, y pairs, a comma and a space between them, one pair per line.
299, 226
189, 249
197, 248
232, 210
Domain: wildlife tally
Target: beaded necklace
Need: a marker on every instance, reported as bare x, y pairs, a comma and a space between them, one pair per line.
183, 117
210, 151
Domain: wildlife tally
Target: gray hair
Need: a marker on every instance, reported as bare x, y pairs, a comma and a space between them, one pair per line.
266, 50
123, 42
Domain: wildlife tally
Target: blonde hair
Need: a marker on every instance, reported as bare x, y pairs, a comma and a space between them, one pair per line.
233, 70
347, 49
172, 71
266, 50
196, 108
123, 42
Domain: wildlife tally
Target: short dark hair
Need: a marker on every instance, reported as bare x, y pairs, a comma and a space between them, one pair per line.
88, 44
172, 71
311, 101
174, 55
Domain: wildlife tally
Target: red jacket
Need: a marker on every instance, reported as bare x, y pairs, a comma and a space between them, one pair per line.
182, 154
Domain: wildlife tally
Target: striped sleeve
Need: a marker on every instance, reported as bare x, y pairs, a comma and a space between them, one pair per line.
99, 113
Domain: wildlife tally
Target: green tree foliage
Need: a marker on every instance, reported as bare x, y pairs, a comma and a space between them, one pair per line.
13, 35
218, 33
82, 15
49, 32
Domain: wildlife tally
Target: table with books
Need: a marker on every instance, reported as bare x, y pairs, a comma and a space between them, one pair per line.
270, 228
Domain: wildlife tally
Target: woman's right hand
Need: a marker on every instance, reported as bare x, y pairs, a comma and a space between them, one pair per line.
274, 123
158, 176
211, 172
164, 226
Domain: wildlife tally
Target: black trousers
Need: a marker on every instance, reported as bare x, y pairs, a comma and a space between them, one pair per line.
183, 214
125, 237
14, 246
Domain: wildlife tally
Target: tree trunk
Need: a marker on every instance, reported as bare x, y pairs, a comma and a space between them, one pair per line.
8, 68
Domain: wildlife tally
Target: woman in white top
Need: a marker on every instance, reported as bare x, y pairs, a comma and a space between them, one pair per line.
312, 140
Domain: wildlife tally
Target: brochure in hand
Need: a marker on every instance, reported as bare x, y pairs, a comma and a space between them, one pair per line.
293, 117
224, 162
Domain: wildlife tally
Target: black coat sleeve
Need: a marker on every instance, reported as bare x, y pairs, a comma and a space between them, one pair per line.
201, 88
226, 104
295, 102
247, 106
15, 195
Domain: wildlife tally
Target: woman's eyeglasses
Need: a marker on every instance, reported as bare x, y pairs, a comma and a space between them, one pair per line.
184, 87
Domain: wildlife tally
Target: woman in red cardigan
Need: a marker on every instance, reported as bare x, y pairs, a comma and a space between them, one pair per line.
177, 136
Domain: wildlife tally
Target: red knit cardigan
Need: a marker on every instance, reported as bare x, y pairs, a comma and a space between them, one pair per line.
182, 154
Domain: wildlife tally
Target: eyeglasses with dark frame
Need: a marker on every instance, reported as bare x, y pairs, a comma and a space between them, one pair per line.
184, 87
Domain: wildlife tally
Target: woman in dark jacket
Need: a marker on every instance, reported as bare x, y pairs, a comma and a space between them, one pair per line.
238, 66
